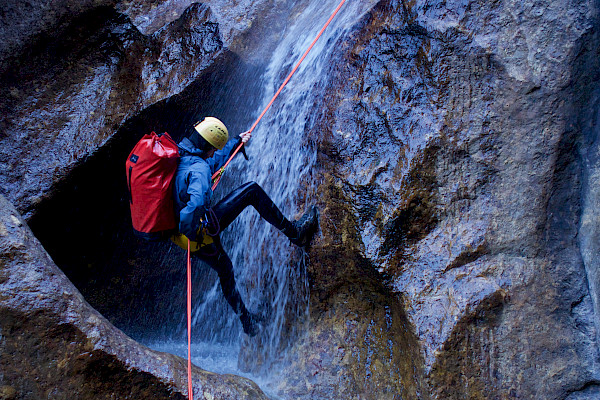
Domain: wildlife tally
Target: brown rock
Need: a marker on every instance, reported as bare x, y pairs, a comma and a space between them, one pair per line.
456, 174
448, 133
54, 345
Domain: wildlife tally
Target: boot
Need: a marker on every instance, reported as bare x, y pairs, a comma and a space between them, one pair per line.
305, 228
250, 323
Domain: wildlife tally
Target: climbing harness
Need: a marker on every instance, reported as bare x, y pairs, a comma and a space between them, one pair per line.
204, 232
212, 220
217, 175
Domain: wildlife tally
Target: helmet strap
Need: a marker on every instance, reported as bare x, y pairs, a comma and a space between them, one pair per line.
200, 143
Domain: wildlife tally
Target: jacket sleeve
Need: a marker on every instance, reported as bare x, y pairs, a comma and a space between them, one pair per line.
189, 216
221, 156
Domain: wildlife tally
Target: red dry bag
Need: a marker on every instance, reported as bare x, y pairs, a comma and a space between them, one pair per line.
150, 169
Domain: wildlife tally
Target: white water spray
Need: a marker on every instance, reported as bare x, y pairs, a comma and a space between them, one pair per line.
270, 272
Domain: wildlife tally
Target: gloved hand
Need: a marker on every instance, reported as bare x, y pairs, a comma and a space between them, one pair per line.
244, 137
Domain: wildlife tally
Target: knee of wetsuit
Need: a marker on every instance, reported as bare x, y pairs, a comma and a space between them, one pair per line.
250, 186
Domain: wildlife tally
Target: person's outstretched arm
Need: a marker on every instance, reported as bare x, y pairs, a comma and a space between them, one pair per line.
221, 156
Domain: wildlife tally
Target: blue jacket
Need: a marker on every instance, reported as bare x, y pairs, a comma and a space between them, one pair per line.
193, 184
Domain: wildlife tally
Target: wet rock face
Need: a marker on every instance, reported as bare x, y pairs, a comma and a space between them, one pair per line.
54, 345
233, 18
457, 147
75, 73
70, 89
358, 342
454, 133
23, 21
81, 91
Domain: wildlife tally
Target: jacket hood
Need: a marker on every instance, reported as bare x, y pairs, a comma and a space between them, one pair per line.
188, 148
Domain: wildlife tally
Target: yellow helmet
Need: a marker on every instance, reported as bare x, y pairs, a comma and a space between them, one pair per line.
213, 131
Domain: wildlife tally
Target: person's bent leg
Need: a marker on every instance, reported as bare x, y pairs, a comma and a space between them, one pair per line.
251, 194
221, 263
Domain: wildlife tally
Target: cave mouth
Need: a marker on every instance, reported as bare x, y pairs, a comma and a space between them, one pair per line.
85, 223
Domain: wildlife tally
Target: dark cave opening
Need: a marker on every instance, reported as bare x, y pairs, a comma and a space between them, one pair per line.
85, 225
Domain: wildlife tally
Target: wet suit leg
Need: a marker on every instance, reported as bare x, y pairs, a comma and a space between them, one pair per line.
215, 256
251, 194
226, 211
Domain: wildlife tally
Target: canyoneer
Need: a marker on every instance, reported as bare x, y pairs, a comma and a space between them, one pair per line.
202, 153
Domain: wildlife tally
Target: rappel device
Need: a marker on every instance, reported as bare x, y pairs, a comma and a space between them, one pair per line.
150, 170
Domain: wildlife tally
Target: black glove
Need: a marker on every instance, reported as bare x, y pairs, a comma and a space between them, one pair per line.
243, 149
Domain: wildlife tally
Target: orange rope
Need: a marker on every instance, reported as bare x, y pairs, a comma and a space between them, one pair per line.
189, 322
217, 175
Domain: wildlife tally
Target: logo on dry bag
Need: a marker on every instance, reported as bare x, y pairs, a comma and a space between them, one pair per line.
150, 170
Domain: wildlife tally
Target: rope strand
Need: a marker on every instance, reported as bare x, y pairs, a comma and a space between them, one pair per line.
189, 322
217, 175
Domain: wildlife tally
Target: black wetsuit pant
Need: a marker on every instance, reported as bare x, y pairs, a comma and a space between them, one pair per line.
226, 211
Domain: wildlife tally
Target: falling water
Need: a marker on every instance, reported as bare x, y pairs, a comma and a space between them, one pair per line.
270, 272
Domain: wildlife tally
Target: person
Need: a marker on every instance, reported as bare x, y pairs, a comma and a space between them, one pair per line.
202, 153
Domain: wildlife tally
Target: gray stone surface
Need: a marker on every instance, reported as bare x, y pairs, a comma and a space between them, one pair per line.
54, 345
457, 175
75, 72
70, 92
455, 132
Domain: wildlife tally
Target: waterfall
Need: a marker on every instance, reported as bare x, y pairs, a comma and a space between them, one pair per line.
588, 231
270, 272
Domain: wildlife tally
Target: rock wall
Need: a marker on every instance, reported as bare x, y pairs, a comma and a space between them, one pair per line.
456, 174
54, 345
77, 72
453, 133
